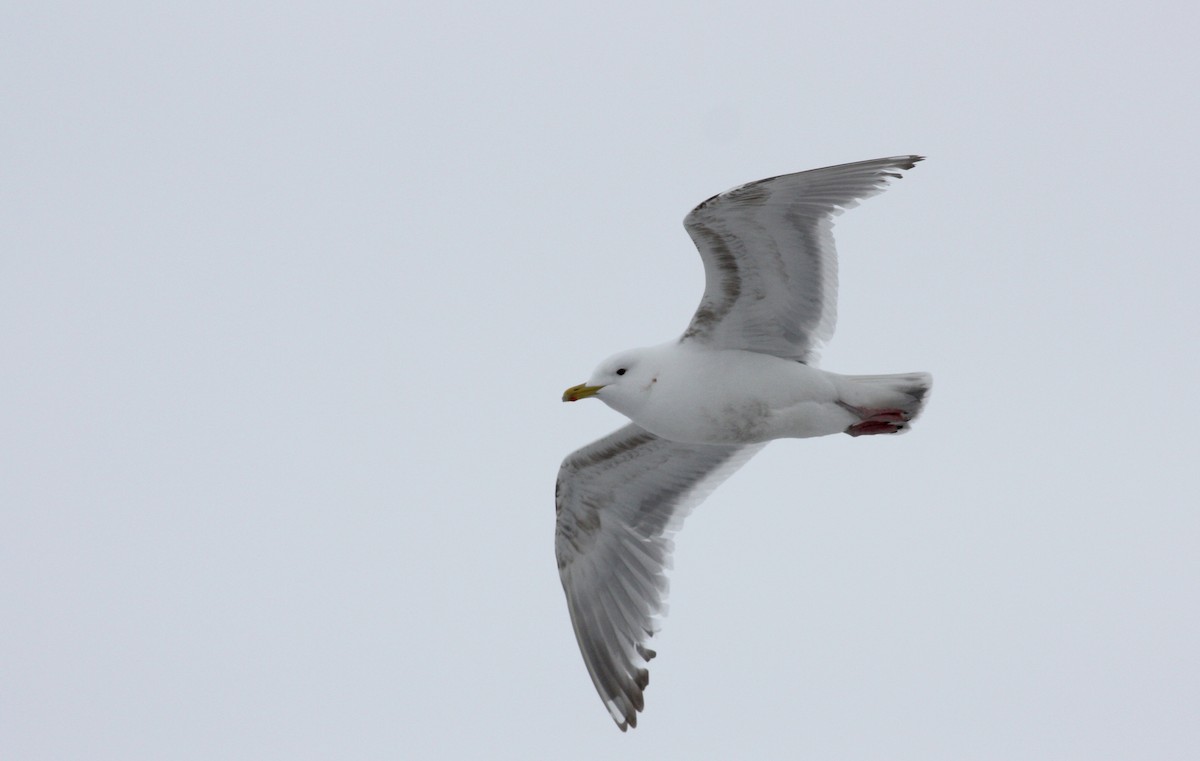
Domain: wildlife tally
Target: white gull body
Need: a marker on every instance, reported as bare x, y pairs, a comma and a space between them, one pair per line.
687, 393
743, 373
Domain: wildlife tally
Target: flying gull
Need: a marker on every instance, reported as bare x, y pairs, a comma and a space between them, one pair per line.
743, 373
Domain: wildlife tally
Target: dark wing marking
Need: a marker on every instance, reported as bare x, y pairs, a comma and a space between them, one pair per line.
769, 261
619, 500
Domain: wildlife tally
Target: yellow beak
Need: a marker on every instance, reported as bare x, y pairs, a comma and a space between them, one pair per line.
582, 391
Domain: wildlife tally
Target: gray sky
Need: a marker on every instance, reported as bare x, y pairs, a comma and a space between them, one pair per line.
289, 293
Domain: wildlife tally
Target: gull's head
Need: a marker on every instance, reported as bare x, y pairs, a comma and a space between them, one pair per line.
623, 381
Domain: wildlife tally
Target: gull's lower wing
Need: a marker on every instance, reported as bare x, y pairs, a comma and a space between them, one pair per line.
618, 501
769, 261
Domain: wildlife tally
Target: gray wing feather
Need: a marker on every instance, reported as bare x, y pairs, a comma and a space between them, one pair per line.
618, 501
769, 260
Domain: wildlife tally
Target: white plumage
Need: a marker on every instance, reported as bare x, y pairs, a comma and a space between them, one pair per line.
742, 374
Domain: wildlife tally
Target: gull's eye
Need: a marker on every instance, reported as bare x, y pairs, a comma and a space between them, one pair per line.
621, 371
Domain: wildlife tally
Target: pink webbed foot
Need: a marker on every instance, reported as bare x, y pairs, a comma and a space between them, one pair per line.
877, 421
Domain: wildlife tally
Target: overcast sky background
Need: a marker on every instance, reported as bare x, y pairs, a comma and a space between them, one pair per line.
289, 293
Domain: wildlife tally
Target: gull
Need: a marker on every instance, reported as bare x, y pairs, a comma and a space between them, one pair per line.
742, 374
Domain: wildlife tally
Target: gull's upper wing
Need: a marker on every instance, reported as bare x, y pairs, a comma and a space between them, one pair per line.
618, 501
769, 262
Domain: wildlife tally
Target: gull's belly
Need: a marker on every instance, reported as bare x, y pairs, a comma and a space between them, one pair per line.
738, 397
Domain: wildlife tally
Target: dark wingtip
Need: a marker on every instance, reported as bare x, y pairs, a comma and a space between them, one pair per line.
643, 679
637, 701
900, 162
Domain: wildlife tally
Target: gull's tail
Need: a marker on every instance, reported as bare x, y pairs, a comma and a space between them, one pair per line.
884, 403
